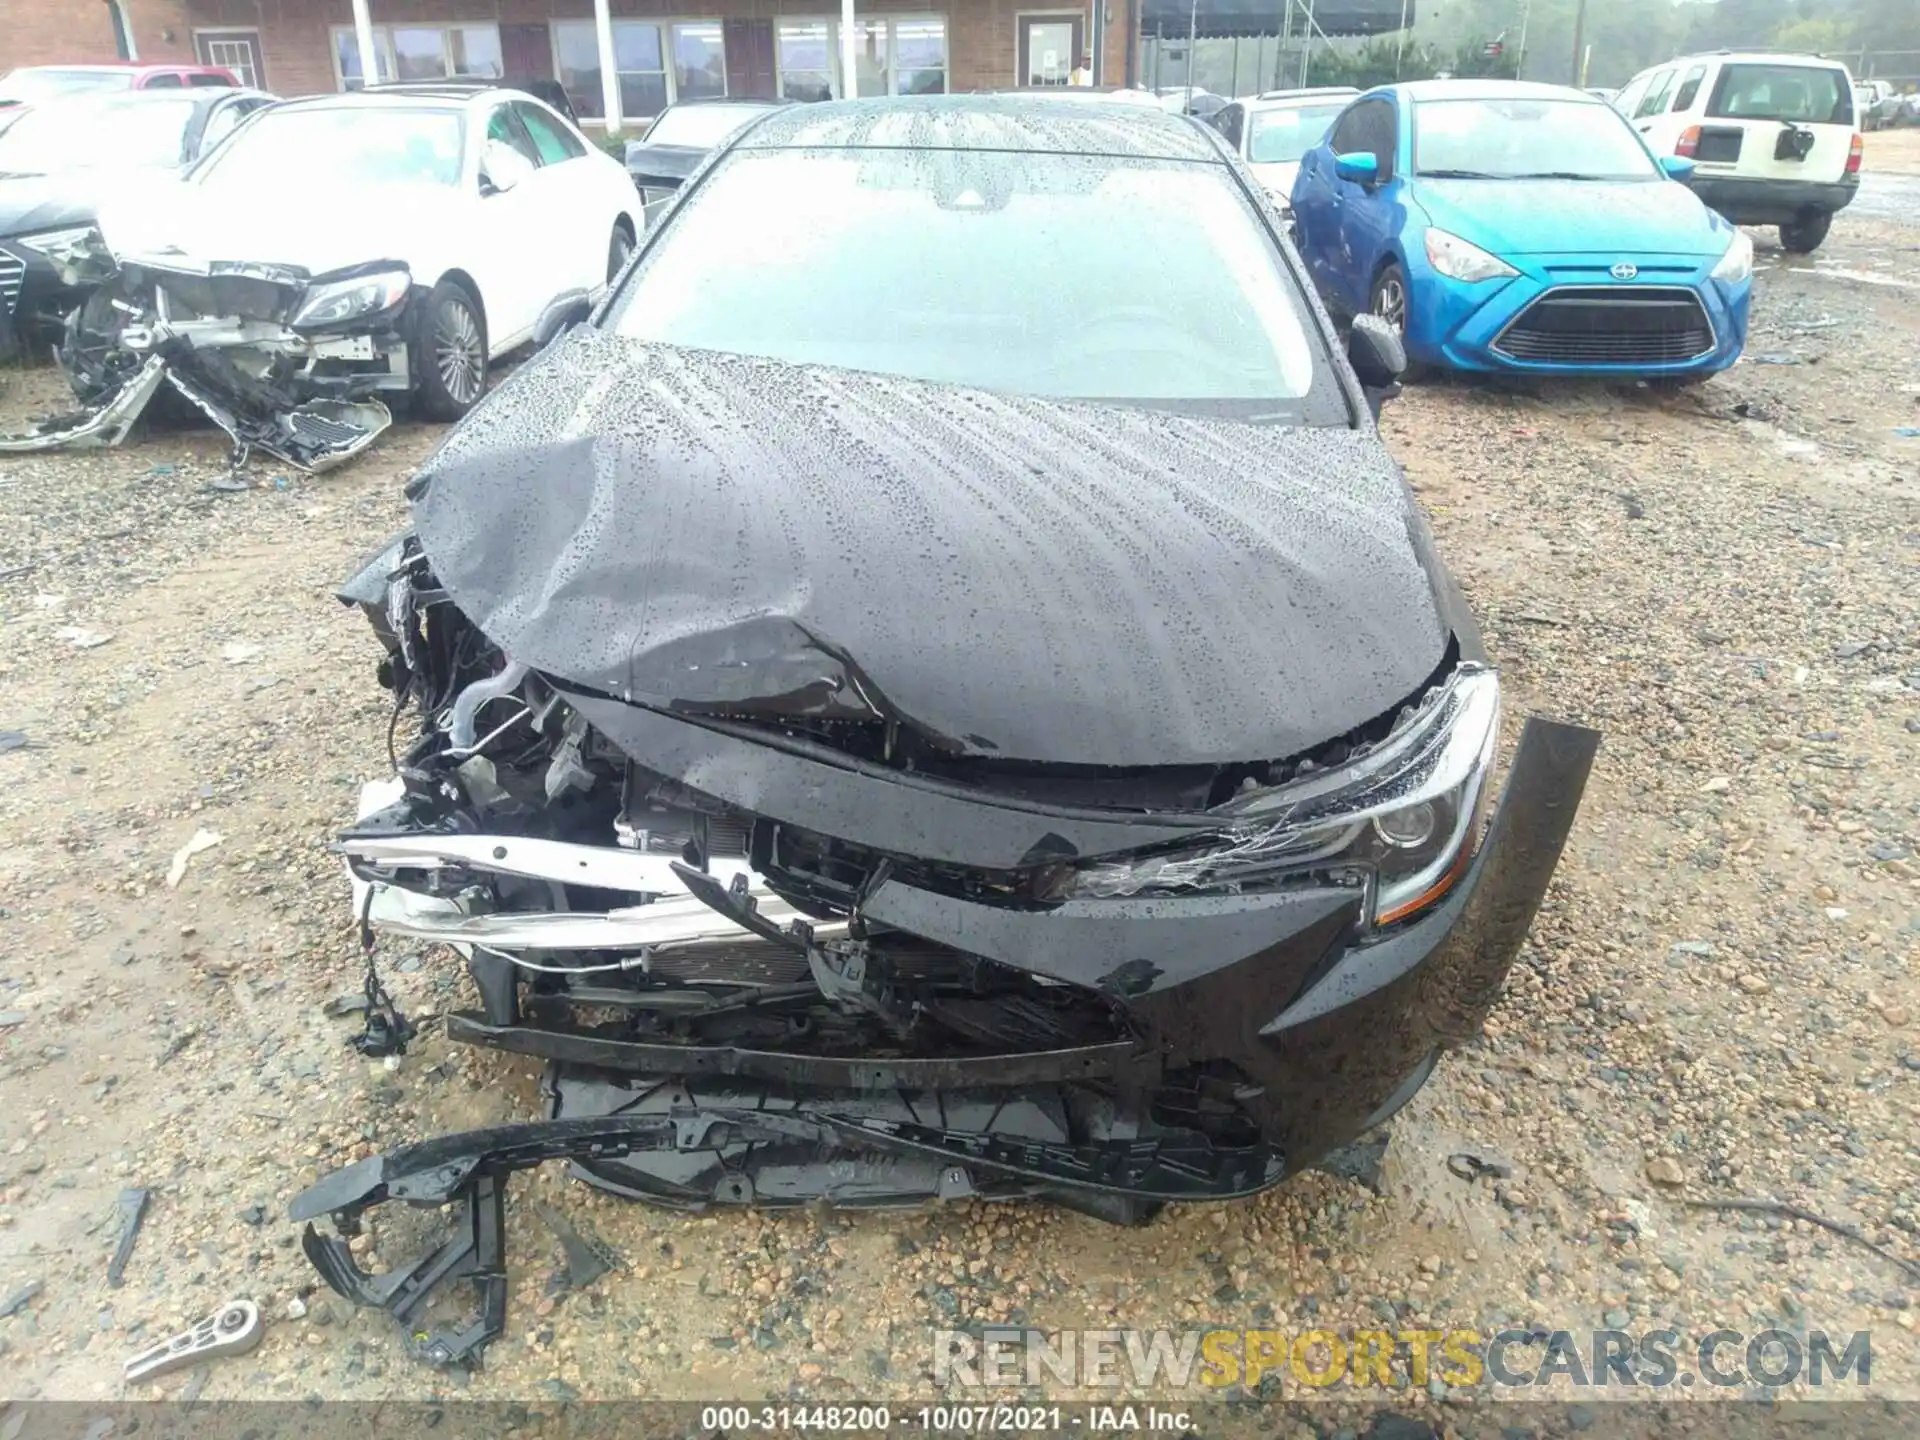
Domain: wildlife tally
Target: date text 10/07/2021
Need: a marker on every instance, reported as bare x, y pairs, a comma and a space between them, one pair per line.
944, 1419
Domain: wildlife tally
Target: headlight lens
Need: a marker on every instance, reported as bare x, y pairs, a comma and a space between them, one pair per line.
344, 300
1737, 264
1399, 821
58, 245
1457, 260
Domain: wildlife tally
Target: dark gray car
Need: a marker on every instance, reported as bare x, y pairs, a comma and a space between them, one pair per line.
938, 689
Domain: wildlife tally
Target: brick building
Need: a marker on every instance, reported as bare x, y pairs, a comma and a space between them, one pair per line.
659, 50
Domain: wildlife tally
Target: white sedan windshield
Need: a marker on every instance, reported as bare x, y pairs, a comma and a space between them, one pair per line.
35, 85
132, 132
1063, 276
1281, 136
339, 147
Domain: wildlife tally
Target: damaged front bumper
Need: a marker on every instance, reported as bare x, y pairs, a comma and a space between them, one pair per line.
770, 964
283, 361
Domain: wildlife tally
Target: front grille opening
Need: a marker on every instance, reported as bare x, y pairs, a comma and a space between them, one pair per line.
1609, 326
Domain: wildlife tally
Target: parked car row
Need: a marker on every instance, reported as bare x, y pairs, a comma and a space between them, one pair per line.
1494, 225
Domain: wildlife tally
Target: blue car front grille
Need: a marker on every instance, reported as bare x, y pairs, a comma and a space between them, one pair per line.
1609, 325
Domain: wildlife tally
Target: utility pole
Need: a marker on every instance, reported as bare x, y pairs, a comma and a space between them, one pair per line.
1400, 51
1579, 39
1193, 31
1520, 60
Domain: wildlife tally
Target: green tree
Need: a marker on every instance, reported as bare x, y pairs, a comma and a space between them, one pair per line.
1813, 36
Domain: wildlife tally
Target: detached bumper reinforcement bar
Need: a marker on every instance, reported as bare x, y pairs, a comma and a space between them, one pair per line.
470, 1169
1120, 1061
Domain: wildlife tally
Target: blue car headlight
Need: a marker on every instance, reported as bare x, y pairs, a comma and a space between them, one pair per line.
1737, 264
1457, 260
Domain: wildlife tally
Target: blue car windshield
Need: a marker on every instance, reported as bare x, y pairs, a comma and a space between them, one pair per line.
1527, 139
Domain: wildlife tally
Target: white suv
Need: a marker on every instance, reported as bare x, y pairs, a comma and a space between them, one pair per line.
1772, 137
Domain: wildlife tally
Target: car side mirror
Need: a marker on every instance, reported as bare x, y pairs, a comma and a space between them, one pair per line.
1379, 358
1358, 166
566, 310
502, 167
1677, 167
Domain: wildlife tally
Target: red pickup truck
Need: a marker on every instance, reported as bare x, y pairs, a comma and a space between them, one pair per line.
33, 83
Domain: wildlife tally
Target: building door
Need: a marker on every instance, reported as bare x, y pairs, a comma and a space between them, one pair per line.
749, 47
1050, 47
526, 52
235, 50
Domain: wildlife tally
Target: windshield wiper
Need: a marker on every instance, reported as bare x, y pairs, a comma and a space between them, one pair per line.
1559, 175
1462, 175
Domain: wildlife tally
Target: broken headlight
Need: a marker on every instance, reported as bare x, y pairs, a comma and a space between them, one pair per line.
56, 245
1400, 821
77, 252
339, 301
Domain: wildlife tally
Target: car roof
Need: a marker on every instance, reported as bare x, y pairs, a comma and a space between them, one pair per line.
406, 97
750, 102
1296, 102
1314, 92
114, 67
124, 99
1487, 90
1748, 57
1030, 124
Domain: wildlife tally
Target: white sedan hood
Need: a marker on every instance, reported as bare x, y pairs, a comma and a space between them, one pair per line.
1277, 179
195, 226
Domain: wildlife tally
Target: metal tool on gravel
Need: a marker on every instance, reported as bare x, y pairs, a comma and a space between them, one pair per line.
234, 1329
133, 1213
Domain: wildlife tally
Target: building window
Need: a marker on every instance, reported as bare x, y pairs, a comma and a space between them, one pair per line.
657, 64
699, 60
806, 60
920, 56
420, 52
893, 55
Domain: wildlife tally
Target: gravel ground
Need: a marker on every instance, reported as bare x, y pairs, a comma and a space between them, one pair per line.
1718, 999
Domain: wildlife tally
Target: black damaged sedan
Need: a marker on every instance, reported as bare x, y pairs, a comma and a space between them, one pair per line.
938, 689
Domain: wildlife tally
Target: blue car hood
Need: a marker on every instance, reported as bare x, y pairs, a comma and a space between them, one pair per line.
1542, 217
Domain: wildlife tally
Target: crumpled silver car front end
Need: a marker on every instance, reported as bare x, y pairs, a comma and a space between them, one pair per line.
282, 360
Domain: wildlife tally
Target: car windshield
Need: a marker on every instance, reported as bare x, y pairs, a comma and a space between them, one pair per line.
700, 126
1527, 138
333, 147
1277, 137
130, 132
30, 86
1813, 93
1064, 276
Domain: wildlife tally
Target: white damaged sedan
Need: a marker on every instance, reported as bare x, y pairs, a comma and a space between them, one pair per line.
339, 252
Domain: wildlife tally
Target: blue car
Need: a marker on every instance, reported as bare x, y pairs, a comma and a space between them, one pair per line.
1504, 226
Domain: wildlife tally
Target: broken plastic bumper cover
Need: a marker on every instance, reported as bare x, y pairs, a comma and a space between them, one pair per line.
105, 426
1321, 1063
230, 343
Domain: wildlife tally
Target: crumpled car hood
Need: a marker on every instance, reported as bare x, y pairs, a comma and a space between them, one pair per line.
1028, 580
